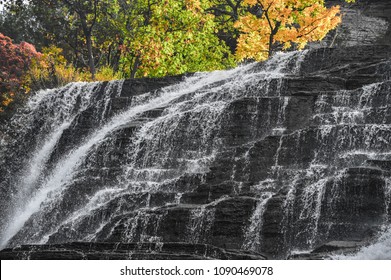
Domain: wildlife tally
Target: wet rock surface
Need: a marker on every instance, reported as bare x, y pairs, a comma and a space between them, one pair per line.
274, 159
365, 22
329, 250
295, 166
121, 251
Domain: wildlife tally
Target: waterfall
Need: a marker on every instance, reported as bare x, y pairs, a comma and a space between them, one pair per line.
253, 240
195, 91
57, 108
380, 250
242, 159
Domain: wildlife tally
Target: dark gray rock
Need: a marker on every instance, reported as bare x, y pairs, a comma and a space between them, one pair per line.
122, 251
326, 251
364, 22
291, 164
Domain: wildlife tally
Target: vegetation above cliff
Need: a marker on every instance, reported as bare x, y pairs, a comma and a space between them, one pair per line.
110, 39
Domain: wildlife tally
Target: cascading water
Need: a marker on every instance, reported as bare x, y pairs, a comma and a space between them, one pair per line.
257, 158
54, 110
253, 240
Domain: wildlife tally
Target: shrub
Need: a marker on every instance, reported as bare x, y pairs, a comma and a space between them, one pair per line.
23, 69
15, 61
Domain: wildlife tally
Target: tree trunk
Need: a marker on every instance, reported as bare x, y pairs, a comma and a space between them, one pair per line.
87, 34
135, 67
270, 44
90, 56
271, 38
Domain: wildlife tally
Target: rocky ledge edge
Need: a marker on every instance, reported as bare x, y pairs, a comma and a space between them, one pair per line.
163, 251
123, 251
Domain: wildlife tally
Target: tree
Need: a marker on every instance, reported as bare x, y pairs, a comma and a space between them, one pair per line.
18, 24
283, 24
15, 60
70, 23
87, 13
167, 37
226, 13
173, 37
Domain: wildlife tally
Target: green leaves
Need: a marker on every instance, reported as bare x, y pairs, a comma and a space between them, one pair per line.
174, 39
168, 37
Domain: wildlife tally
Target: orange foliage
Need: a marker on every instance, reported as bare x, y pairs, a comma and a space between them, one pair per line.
14, 62
22, 68
283, 23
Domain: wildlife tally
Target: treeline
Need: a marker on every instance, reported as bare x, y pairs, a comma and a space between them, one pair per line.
108, 39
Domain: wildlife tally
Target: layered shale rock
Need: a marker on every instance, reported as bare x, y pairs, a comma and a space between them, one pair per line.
365, 22
284, 159
117, 251
264, 160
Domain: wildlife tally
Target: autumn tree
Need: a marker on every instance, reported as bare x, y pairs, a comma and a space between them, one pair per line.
71, 22
15, 60
39, 22
166, 37
283, 24
226, 13
173, 37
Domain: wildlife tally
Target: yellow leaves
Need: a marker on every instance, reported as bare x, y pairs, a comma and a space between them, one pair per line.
54, 54
52, 68
106, 73
287, 45
252, 46
284, 23
193, 5
250, 2
180, 37
6, 100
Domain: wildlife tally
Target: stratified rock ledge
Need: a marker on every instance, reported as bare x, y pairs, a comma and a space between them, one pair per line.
326, 251
123, 251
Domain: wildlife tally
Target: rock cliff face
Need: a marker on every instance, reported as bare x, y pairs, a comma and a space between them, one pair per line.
364, 22
260, 161
264, 159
